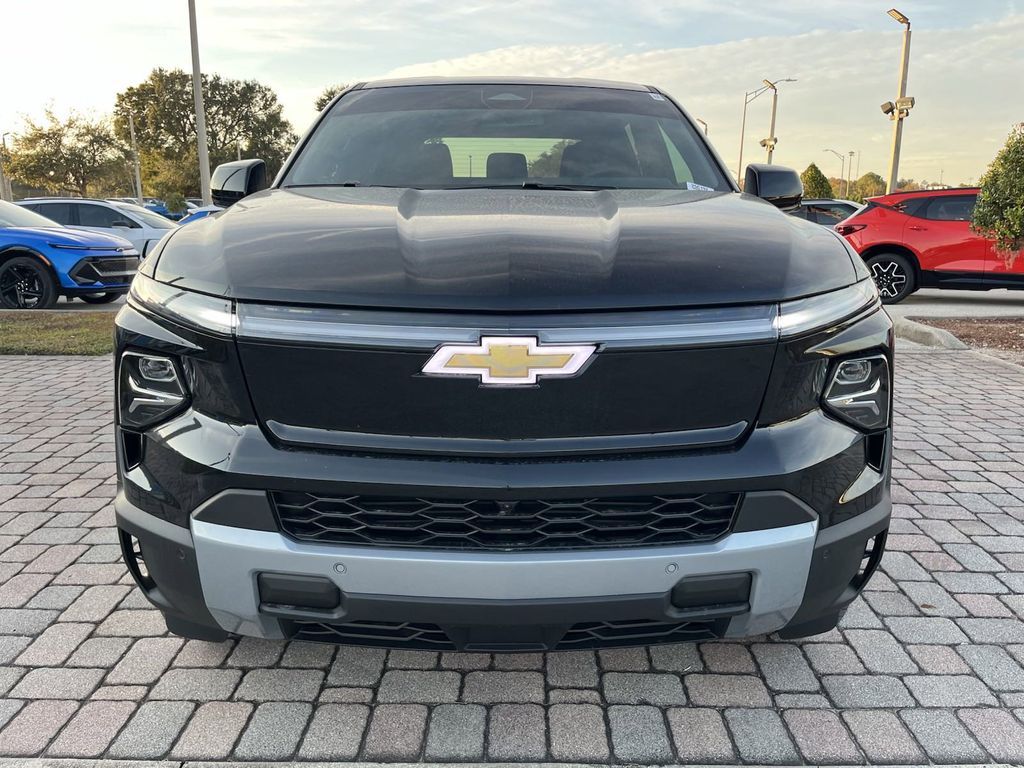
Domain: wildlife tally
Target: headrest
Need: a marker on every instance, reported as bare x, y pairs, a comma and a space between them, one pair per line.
506, 165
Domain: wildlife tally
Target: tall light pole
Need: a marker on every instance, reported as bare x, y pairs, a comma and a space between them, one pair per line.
5, 185
849, 172
769, 141
842, 170
901, 109
197, 90
748, 97
135, 160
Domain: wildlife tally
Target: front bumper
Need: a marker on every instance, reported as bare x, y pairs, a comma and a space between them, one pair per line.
205, 579
100, 274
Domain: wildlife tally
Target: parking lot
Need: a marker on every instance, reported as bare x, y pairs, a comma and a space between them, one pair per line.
926, 668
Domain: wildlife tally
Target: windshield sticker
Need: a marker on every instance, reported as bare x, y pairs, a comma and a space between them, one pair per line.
657, 97
698, 187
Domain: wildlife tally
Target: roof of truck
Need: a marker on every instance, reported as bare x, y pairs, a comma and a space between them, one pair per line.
573, 81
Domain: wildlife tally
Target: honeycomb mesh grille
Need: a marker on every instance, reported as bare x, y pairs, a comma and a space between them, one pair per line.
534, 525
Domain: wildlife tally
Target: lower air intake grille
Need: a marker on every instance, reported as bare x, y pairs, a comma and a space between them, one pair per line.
108, 270
522, 526
604, 634
376, 633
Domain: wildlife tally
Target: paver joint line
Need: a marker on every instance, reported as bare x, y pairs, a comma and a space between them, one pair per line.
932, 656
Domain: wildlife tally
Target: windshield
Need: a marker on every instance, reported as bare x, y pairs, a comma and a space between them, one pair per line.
455, 136
151, 219
12, 215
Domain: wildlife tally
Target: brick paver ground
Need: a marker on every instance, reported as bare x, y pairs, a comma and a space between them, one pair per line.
927, 667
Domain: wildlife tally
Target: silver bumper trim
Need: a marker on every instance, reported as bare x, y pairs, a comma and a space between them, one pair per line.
230, 558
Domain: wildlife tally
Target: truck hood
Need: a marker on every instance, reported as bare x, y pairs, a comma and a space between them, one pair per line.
505, 250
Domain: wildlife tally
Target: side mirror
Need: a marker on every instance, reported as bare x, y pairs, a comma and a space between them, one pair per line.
121, 225
779, 186
233, 181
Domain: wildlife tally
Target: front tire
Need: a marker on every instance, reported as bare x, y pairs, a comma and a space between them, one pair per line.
26, 284
99, 298
893, 275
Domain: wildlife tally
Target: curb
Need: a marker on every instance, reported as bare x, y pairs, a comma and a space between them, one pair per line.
920, 333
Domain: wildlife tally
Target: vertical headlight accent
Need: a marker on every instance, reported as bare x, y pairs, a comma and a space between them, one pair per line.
859, 393
150, 389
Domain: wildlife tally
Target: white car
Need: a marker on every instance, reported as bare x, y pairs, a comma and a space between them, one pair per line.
142, 228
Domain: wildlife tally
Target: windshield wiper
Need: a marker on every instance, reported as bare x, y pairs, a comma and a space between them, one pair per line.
520, 185
338, 184
533, 185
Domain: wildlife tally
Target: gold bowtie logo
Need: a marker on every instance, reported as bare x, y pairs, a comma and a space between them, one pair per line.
508, 360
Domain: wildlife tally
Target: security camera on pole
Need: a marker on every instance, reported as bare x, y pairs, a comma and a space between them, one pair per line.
770, 141
748, 97
898, 111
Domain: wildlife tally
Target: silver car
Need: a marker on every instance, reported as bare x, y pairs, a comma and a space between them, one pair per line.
142, 228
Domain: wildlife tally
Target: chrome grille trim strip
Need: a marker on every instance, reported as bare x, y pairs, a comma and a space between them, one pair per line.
693, 327
625, 330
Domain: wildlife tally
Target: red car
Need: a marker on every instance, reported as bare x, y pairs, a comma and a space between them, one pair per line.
923, 239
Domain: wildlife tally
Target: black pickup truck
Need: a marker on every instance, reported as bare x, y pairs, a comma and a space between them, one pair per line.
499, 365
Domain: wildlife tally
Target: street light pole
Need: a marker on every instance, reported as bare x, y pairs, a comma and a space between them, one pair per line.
842, 168
849, 172
771, 130
5, 186
743, 133
899, 113
135, 160
197, 90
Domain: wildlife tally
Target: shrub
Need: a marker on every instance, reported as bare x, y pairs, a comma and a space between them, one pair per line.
815, 183
999, 213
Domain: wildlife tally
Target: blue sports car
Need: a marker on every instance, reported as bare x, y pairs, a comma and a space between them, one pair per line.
40, 260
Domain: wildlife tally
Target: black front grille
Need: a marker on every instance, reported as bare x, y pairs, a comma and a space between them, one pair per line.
376, 633
604, 634
483, 524
111, 270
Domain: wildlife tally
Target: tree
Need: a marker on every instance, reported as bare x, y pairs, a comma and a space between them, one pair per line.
868, 185
815, 183
240, 114
549, 164
999, 213
78, 155
326, 95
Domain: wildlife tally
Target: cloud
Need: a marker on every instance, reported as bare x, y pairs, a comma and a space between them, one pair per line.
961, 79
705, 52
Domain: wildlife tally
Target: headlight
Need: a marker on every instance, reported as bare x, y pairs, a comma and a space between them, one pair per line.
821, 311
859, 393
150, 389
196, 310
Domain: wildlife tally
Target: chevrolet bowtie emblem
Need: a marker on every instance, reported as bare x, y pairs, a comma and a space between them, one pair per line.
508, 360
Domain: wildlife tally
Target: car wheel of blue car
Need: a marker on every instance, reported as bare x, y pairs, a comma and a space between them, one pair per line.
26, 284
99, 298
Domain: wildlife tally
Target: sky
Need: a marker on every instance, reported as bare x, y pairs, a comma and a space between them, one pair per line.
966, 70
